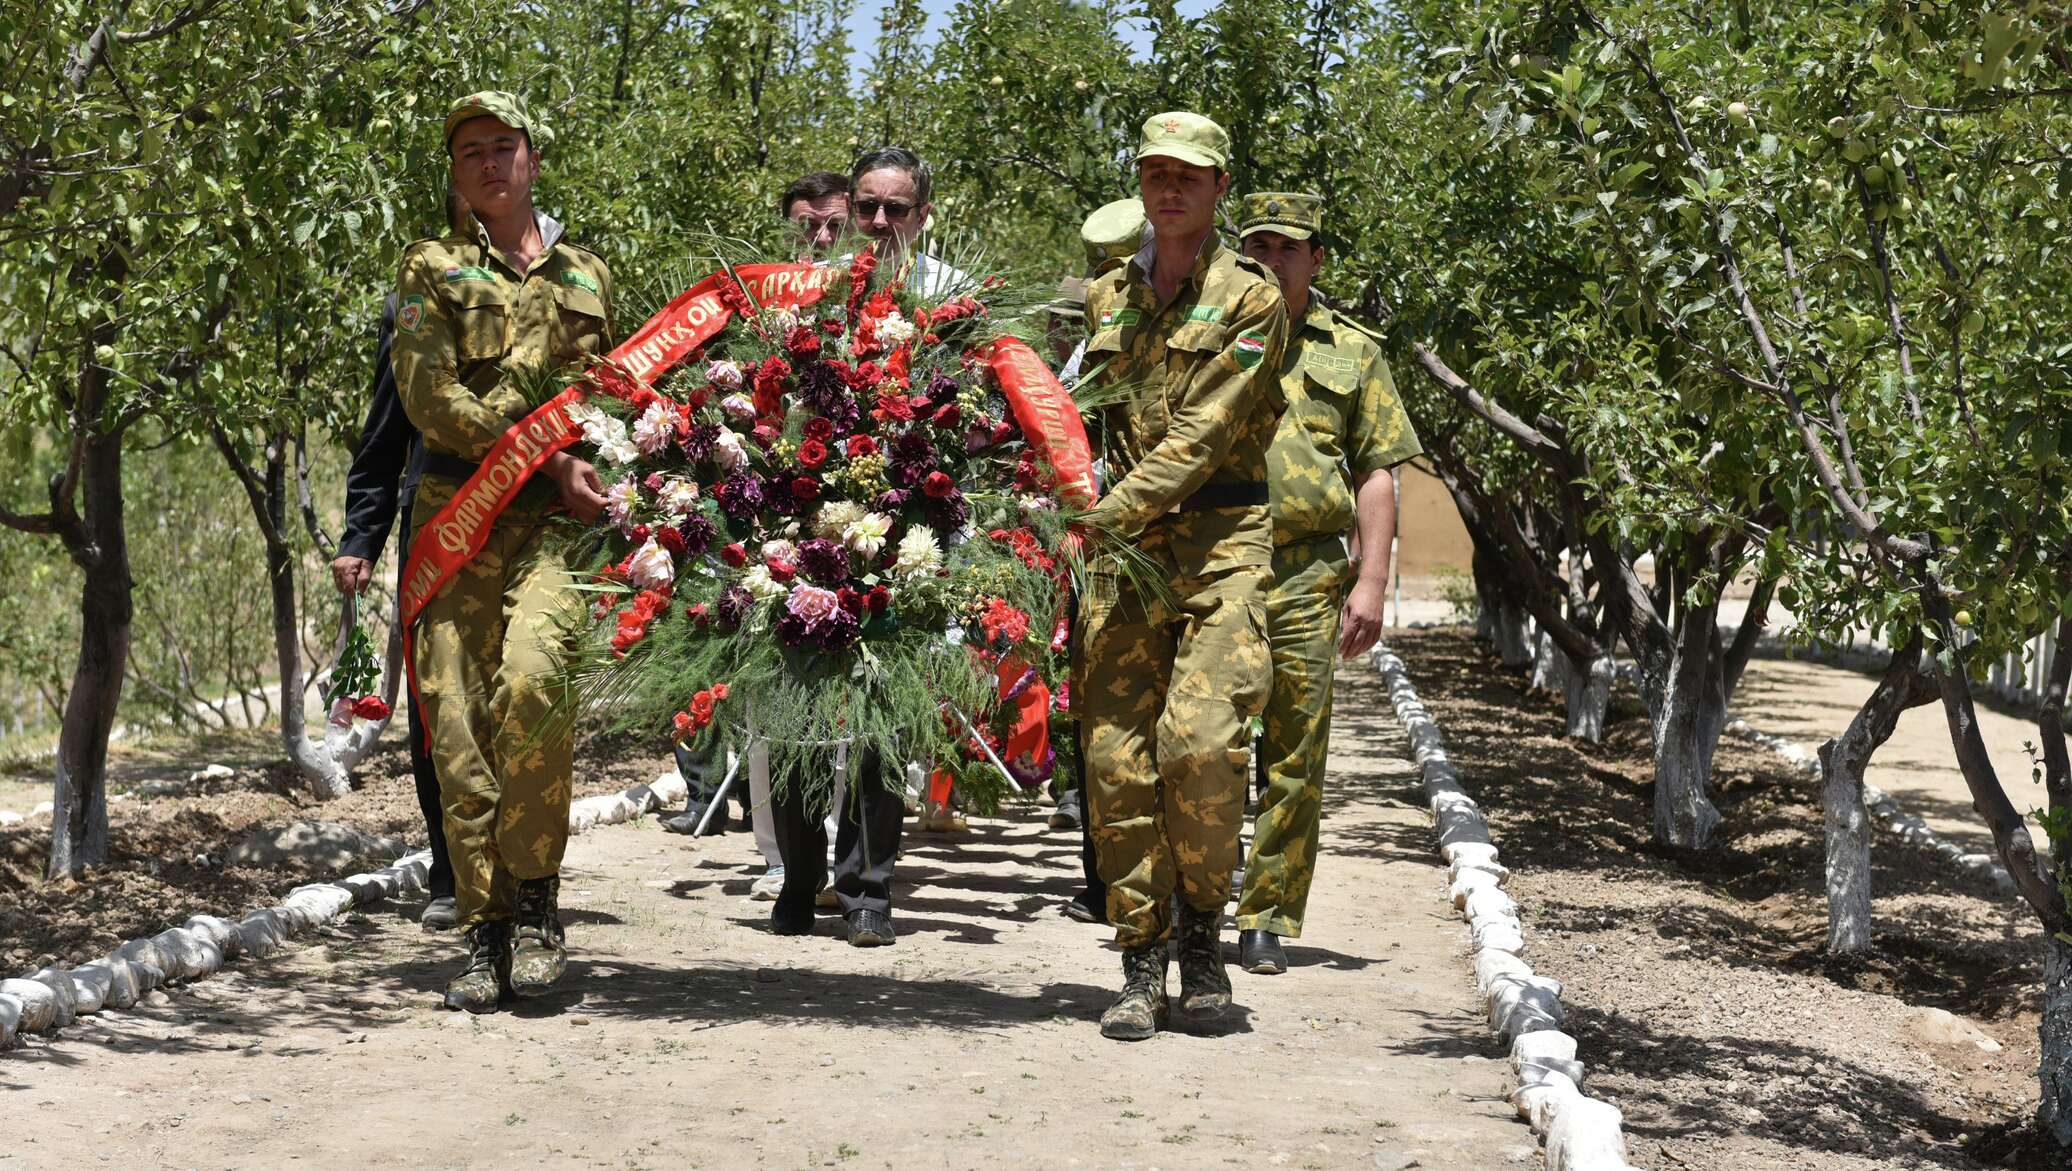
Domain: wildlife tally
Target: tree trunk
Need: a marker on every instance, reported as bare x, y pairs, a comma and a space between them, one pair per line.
1587, 692
1843, 760
1513, 634
1548, 666
1687, 710
2055, 1067
317, 766
79, 792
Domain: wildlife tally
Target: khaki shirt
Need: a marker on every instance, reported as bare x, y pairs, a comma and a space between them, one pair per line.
1344, 420
1205, 401
464, 315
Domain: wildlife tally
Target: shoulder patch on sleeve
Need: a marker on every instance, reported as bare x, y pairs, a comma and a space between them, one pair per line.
1205, 313
580, 279
1249, 348
410, 314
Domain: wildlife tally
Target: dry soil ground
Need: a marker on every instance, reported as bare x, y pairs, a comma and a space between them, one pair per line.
687, 1035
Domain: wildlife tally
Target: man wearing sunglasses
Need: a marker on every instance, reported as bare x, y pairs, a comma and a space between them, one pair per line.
890, 195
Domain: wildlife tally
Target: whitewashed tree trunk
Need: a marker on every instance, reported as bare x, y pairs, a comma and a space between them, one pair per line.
1547, 664
1687, 711
1588, 696
1843, 761
1513, 635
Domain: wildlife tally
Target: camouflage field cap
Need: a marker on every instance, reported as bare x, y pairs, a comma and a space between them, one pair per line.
1190, 138
1114, 232
1071, 300
494, 103
1298, 215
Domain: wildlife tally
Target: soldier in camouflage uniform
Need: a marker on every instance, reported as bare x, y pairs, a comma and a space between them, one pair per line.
472, 308
1173, 662
1328, 472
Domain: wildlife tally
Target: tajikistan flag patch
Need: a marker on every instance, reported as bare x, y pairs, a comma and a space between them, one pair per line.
1249, 348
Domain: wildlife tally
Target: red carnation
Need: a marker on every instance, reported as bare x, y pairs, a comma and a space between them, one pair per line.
868, 374
701, 707
878, 599
820, 427
812, 453
947, 415
684, 724
805, 488
699, 613
769, 387
764, 435
938, 485
781, 570
735, 555
671, 538
638, 533
802, 342
831, 326
370, 707
893, 408
719, 692
850, 600
861, 445
1003, 431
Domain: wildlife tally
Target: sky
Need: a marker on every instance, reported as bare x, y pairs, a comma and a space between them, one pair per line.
864, 22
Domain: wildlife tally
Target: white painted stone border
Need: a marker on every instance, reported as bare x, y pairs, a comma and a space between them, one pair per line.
52, 998
1581, 1133
1884, 809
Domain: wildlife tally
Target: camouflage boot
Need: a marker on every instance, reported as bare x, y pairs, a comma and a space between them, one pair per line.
538, 956
481, 984
1141, 1008
1204, 985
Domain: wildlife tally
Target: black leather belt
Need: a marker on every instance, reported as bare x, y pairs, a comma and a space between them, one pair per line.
1225, 496
452, 467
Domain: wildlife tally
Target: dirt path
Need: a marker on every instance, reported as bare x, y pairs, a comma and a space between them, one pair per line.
1810, 702
690, 1036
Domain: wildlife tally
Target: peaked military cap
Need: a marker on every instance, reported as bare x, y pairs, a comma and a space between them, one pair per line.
506, 108
1190, 138
1295, 214
1113, 232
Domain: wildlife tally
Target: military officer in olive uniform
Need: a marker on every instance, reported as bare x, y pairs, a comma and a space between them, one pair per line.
474, 309
1328, 475
1173, 661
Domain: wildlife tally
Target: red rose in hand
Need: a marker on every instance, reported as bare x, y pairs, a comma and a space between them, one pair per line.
781, 570
820, 427
861, 445
812, 453
701, 707
735, 555
370, 707
938, 485
805, 488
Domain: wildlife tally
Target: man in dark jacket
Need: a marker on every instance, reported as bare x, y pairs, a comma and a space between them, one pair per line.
379, 488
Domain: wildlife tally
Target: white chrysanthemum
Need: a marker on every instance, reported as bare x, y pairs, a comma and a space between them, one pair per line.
895, 330
650, 567
678, 496
835, 516
606, 433
758, 582
727, 450
779, 321
780, 551
619, 500
918, 553
654, 429
866, 534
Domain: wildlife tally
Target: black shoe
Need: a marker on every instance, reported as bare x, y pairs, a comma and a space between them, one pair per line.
1137, 1014
687, 821
479, 986
1078, 907
1204, 985
539, 952
1067, 814
439, 914
870, 929
790, 920
1259, 952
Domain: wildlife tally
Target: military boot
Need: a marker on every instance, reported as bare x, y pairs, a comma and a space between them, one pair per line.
482, 983
1141, 1008
538, 955
1204, 985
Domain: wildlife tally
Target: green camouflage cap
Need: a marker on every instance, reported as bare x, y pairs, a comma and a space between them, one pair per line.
494, 103
1114, 232
1298, 215
1190, 138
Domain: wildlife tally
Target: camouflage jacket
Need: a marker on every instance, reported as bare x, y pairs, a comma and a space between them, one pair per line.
1203, 404
465, 318
1344, 420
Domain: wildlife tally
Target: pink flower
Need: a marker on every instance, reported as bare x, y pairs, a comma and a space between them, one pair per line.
811, 604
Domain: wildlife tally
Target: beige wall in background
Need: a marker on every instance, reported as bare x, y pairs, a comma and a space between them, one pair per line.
1431, 541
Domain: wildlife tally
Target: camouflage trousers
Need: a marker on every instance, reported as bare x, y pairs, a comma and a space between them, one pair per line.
487, 651
1302, 613
1164, 689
